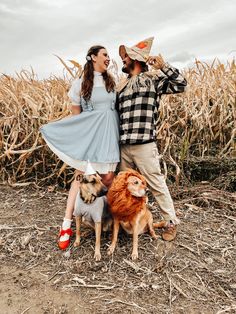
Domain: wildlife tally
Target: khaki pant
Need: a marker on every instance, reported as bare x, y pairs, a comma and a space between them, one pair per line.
145, 158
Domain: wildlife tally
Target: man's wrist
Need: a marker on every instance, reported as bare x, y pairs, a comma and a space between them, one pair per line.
166, 67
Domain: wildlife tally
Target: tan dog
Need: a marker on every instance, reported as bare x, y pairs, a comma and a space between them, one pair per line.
127, 201
91, 208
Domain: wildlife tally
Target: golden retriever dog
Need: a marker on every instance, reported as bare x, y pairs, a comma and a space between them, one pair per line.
127, 200
91, 208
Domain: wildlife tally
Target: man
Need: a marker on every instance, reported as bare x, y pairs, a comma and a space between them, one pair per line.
138, 102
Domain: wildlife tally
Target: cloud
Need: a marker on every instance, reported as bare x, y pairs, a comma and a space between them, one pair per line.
31, 31
182, 56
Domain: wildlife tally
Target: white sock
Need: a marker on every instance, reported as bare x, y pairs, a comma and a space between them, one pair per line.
66, 225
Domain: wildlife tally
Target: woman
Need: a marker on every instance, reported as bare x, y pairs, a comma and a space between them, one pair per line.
91, 133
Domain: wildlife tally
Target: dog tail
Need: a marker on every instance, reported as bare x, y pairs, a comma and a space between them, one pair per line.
161, 224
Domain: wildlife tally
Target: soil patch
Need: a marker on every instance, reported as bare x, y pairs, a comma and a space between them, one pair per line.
193, 274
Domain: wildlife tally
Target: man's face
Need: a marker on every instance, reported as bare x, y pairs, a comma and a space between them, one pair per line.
128, 64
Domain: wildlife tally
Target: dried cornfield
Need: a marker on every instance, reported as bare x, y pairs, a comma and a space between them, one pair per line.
199, 122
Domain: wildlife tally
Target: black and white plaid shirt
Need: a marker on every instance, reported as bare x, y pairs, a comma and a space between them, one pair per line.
138, 103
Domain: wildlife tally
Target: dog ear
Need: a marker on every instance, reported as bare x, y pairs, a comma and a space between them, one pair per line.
98, 174
85, 179
80, 177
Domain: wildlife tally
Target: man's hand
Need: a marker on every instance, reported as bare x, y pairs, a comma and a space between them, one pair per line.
157, 62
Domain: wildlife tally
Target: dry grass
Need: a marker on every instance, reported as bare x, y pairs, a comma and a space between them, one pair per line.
195, 274
200, 122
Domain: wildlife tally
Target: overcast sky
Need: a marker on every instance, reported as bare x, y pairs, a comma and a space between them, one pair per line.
32, 31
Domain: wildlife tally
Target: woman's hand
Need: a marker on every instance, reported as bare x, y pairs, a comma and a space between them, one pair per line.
75, 109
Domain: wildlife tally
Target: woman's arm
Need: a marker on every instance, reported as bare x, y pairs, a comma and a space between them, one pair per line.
75, 109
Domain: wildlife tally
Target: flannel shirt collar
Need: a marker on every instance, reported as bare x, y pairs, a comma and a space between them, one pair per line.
133, 83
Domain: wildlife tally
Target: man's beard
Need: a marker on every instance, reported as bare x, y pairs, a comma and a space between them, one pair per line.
128, 68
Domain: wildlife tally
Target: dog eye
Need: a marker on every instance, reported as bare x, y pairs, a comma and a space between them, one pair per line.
93, 181
135, 182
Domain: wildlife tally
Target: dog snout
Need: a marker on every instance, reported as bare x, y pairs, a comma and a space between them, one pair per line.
103, 191
143, 192
144, 187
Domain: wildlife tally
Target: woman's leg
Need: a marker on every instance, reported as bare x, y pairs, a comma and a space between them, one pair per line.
74, 189
108, 178
66, 232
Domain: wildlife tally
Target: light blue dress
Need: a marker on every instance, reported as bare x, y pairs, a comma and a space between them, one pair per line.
92, 135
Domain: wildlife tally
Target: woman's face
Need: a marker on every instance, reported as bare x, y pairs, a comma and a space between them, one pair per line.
101, 61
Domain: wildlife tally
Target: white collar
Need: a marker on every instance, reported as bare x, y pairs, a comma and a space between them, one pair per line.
96, 74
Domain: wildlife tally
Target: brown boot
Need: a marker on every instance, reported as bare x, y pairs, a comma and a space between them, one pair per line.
169, 232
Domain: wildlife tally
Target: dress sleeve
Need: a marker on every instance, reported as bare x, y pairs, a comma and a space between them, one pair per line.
74, 92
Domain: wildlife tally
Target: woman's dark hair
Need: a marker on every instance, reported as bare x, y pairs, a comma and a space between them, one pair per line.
88, 75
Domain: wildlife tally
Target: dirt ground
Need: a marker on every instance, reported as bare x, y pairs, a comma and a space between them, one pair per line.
193, 274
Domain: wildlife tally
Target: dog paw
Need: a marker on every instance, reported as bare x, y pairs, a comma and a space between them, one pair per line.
154, 236
110, 250
97, 256
134, 256
77, 243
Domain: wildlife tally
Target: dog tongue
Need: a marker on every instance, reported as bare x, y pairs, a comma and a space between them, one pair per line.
89, 169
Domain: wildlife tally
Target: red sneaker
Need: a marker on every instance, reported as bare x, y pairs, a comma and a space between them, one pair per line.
63, 245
